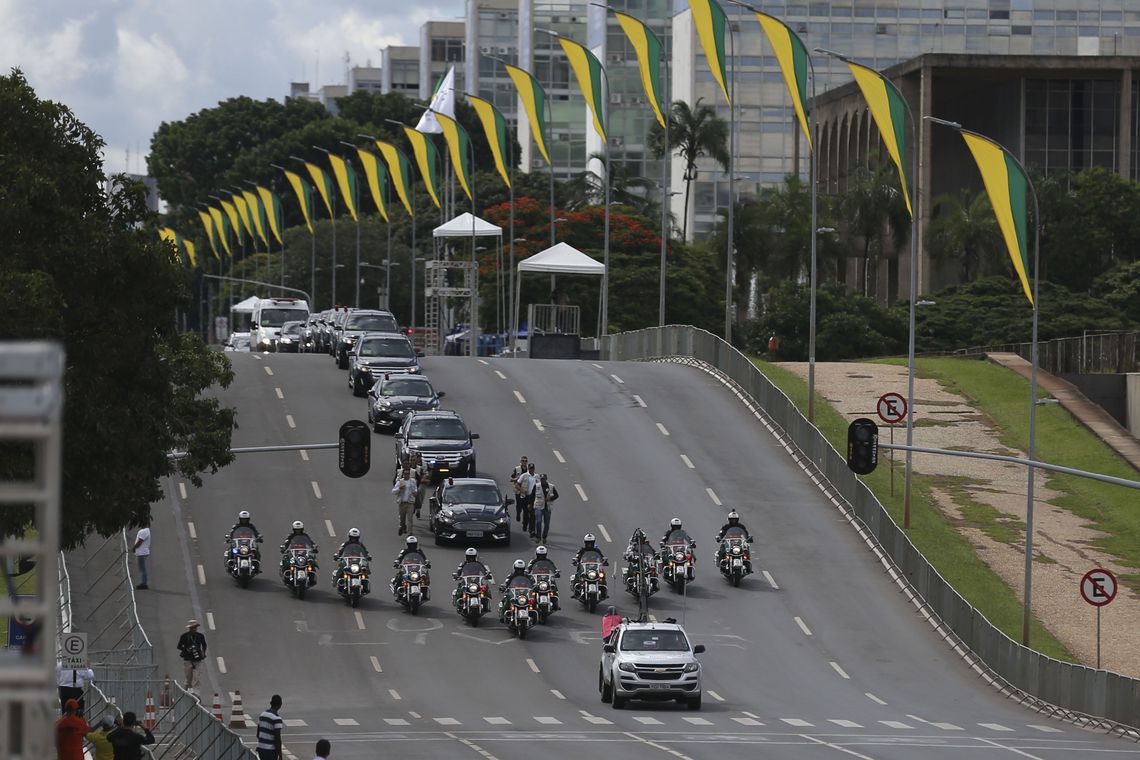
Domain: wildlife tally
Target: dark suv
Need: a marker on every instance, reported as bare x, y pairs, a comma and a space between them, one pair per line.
439, 437
356, 323
378, 354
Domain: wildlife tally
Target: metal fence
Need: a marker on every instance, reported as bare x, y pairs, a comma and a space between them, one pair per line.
1075, 692
1107, 352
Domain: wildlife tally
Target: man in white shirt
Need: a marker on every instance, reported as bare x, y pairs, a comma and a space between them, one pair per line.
405, 489
71, 683
142, 552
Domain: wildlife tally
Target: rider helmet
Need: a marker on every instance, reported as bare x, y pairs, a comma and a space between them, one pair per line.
412, 542
675, 522
243, 515
471, 553
733, 517
298, 525
519, 564
540, 551
589, 540
354, 532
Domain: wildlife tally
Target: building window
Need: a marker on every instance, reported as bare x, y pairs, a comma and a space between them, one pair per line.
447, 50
1071, 124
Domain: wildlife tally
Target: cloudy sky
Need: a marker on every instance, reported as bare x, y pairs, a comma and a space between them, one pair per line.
125, 66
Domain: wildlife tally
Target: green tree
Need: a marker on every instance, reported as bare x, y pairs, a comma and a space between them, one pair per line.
963, 227
1120, 288
627, 188
693, 133
875, 213
88, 270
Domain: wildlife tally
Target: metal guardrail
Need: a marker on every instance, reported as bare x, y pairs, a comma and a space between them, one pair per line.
1075, 692
1091, 353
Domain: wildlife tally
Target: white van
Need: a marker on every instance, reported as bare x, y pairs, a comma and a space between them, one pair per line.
268, 316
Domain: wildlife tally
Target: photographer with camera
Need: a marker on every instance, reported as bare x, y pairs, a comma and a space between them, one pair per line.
192, 647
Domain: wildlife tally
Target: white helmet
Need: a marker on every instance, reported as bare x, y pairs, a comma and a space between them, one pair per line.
540, 551
675, 522
412, 541
354, 532
298, 525
243, 515
733, 515
471, 553
589, 538
519, 564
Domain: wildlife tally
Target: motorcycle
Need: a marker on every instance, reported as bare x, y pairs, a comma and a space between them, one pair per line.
352, 578
520, 613
412, 587
641, 578
590, 580
299, 570
734, 558
678, 563
243, 560
472, 598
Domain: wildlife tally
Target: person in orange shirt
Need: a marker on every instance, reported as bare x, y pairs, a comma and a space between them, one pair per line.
69, 733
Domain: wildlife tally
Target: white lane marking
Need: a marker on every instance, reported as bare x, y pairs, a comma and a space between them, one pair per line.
842, 673
289, 420
895, 724
501, 375
538, 424
396, 722
698, 721
596, 720
221, 665
316, 489
662, 429
182, 490
639, 401
618, 380
581, 493
359, 619
201, 576
836, 747
796, 722
713, 496
547, 721
748, 721
598, 365
345, 722
646, 720
520, 397
533, 666
210, 621
376, 664
559, 457
269, 370
714, 695
605, 533
688, 462
873, 698
995, 727
845, 723
298, 723
394, 694
802, 625
1014, 750
304, 456
329, 528
193, 531
652, 618
557, 694
750, 715
280, 393
485, 362
446, 721
415, 715
498, 721
771, 581
943, 726
1046, 729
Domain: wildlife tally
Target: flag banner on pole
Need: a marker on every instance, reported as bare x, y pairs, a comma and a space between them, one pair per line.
648, 48
223, 228
792, 55
208, 225
442, 101
235, 223
377, 177
167, 234
459, 145
257, 213
1008, 189
275, 213
888, 109
495, 127
711, 23
180, 243
533, 98
588, 71
346, 180
191, 252
427, 158
400, 170
324, 185
304, 196
243, 214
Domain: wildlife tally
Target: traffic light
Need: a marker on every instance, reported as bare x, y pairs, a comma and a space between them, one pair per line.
355, 449
862, 446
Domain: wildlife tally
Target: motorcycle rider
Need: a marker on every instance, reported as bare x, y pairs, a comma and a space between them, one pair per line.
543, 564
633, 554
296, 541
243, 522
411, 546
517, 571
471, 565
589, 544
355, 545
733, 522
675, 528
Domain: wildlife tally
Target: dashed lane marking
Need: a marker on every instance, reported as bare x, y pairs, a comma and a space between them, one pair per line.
647, 720
713, 496
182, 490
289, 420
771, 581
898, 724
414, 714
498, 721
329, 528
344, 722
304, 456
943, 726
210, 621
484, 362
520, 397
655, 745
662, 429
605, 533
842, 673
748, 721
873, 698
688, 462
845, 723
559, 457
714, 695
618, 380
750, 715
547, 721
192, 530
396, 721
995, 727
581, 493
298, 723
280, 393
316, 489
598, 365
1046, 729
538, 424
698, 721
359, 619
394, 694
797, 722
501, 375
596, 720
803, 626
836, 747
468, 743
446, 721
557, 694
221, 665
533, 666
269, 370
639, 401
376, 664
201, 576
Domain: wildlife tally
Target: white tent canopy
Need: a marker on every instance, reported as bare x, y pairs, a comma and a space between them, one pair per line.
246, 306
466, 225
562, 259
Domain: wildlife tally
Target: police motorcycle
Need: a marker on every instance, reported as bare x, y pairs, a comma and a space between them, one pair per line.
243, 559
472, 598
733, 556
352, 574
642, 570
299, 565
678, 560
590, 579
518, 606
546, 603
411, 586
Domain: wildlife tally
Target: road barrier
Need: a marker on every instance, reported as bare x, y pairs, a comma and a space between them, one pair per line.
1078, 693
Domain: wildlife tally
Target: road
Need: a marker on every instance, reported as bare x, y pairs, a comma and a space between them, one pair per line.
818, 656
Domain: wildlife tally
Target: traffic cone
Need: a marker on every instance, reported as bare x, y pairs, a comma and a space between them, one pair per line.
217, 708
150, 712
165, 699
237, 712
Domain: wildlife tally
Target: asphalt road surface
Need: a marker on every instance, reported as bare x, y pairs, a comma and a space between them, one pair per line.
816, 655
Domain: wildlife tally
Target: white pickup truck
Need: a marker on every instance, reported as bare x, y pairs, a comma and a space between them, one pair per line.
652, 661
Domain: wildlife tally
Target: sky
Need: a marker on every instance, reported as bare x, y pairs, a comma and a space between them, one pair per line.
126, 66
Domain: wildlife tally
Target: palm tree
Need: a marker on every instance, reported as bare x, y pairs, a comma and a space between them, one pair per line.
965, 228
627, 188
693, 133
875, 212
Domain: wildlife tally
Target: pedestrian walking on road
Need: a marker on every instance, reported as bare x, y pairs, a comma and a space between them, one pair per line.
544, 497
99, 741
269, 727
142, 553
405, 489
532, 489
323, 749
69, 732
520, 501
192, 647
129, 738
71, 683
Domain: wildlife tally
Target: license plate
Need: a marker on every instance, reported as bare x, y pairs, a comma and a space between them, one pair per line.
302, 574
472, 602
544, 599
474, 534
737, 563
354, 582
592, 588
245, 563
414, 590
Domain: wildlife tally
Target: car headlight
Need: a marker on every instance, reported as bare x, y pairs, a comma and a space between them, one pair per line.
364, 368
503, 520
692, 667
384, 404
627, 667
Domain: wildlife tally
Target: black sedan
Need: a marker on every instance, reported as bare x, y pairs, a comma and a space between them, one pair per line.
290, 340
392, 397
470, 509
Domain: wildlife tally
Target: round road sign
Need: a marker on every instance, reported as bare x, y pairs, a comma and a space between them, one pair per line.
891, 408
1098, 587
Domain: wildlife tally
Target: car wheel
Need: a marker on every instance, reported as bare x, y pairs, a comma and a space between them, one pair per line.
695, 703
606, 689
357, 388
618, 702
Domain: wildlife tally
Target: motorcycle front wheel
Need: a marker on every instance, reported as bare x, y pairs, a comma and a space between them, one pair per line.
243, 581
522, 632
679, 584
414, 606
354, 600
736, 579
301, 591
592, 605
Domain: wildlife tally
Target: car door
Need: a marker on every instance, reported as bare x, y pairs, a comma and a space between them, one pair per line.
608, 658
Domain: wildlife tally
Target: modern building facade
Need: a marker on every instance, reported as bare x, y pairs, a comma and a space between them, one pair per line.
401, 70
365, 78
442, 45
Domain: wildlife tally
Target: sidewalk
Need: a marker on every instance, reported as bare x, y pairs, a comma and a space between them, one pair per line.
1087, 413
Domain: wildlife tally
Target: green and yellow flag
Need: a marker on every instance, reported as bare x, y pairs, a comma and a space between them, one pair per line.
274, 213
459, 146
588, 71
191, 251
534, 103
888, 109
244, 214
324, 185
167, 234
792, 55
235, 223
648, 48
427, 158
208, 225
495, 127
710, 21
346, 180
180, 243
1008, 189
222, 226
400, 169
304, 193
257, 213
377, 177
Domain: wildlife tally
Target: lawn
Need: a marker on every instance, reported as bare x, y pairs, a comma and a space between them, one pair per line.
948, 550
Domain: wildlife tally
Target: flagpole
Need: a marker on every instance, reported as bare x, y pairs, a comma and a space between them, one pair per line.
730, 247
813, 177
605, 327
1026, 617
666, 196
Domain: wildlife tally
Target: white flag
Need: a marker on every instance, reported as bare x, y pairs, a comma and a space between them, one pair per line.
443, 102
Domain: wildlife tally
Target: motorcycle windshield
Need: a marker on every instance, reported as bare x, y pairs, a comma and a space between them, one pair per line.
543, 567
242, 533
520, 583
678, 545
593, 556
355, 553
407, 568
735, 532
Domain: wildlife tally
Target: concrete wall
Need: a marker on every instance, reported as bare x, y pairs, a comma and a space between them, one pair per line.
1108, 391
1132, 400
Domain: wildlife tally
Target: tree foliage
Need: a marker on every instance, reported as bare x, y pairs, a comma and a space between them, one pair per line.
1120, 288
964, 228
694, 132
84, 269
874, 213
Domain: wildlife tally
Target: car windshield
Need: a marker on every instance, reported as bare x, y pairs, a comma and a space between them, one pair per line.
438, 429
292, 328
377, 322
654, 641
387, 347
407, 387
278, 317
487, 495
